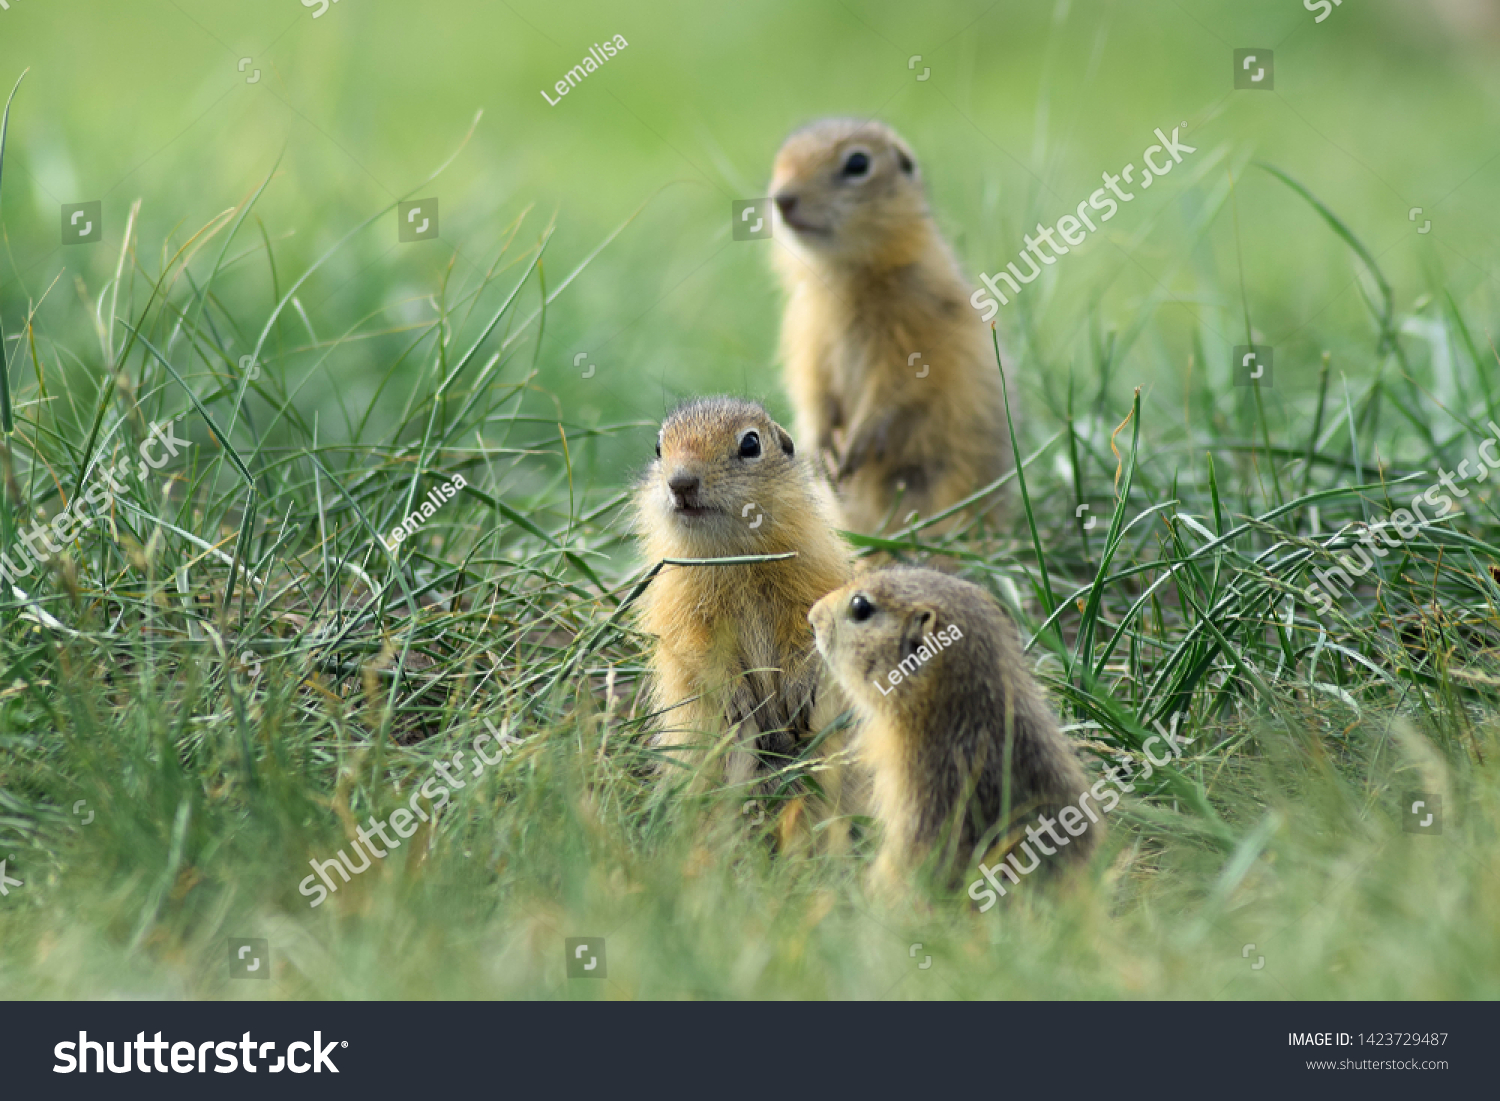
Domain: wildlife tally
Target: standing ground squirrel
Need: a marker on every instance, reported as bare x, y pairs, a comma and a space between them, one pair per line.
938, 672
733, 645
891, 372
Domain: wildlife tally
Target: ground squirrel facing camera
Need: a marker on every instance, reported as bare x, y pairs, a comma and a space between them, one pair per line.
734, 651
937, 670
891, 372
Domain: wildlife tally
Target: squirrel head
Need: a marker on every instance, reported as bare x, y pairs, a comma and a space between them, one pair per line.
848, 190
888, 636
723, 472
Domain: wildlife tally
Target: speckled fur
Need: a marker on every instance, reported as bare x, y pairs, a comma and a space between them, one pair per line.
871, 283
936, 744
733, 662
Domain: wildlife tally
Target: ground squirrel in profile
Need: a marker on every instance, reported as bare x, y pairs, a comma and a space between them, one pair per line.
937, 671
734, 651
891, 372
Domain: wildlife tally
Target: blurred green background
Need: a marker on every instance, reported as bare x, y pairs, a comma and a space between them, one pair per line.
1380, 108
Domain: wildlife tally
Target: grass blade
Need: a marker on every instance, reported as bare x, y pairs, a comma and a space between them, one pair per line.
7, 417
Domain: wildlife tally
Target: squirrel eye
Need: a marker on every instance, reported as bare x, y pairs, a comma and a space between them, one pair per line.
860, 608
750, 445
658, 447
856, 163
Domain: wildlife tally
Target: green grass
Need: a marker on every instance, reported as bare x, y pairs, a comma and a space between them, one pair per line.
232, 671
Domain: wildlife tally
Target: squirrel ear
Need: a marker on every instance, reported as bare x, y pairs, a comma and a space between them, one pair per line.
919, 624
784, 438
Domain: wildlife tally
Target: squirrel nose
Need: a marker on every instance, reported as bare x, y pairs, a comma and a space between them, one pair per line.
786, 204
683, 485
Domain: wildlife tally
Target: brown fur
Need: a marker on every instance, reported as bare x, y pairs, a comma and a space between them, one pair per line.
937, 741
734, 663
870, 282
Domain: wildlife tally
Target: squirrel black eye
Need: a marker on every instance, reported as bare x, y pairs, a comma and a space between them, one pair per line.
860, 608
856, 164
658, 447
906, 162
750, 445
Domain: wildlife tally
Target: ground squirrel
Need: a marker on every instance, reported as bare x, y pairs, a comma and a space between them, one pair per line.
937, 670
891, 372
734, 652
